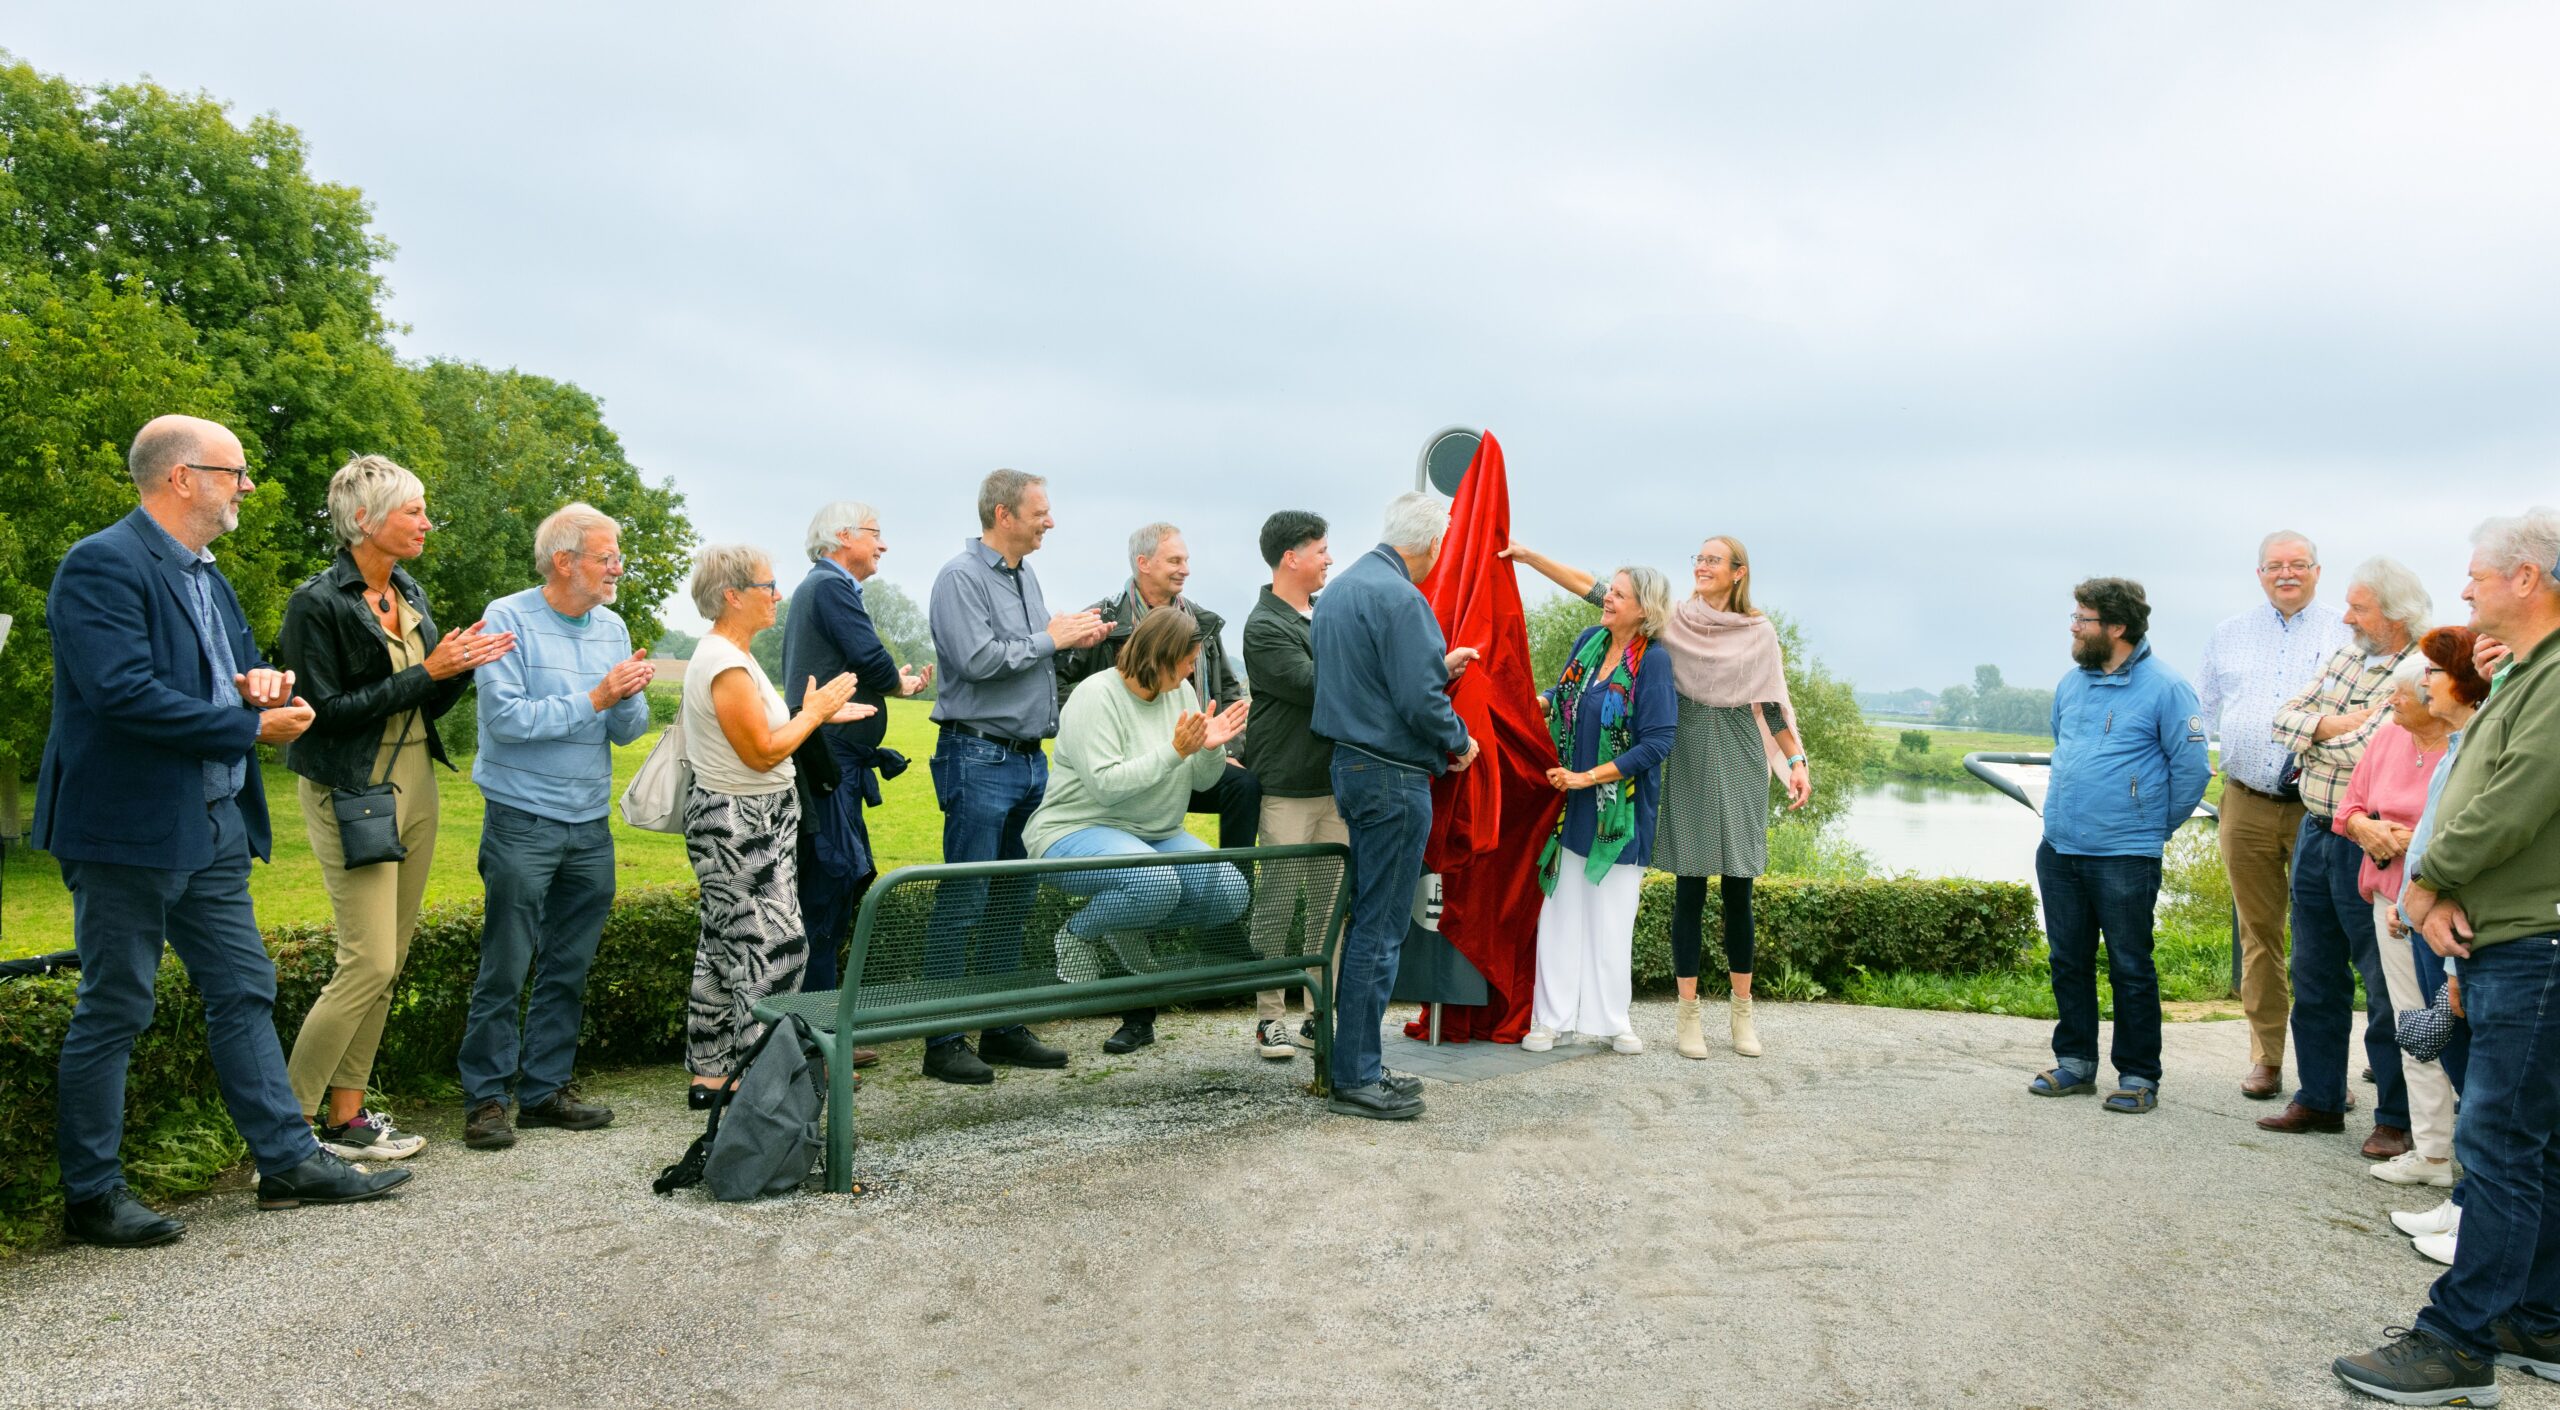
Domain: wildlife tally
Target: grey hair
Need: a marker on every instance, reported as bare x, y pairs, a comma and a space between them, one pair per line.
1416, 520
162, 445
2410, 675
365, 491
835, 519
720, 569
2510, 541
2288, 536
1003, 489
1145, 542
565, 531
2396, 591
1653, 596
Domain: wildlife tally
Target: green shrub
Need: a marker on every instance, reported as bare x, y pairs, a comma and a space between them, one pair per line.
1821, 932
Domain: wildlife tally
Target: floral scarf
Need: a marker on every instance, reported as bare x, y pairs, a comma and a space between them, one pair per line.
1615, 698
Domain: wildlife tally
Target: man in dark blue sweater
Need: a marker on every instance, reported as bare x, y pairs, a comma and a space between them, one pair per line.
1382, 696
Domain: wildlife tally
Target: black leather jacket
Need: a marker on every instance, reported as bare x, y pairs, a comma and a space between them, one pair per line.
341, 665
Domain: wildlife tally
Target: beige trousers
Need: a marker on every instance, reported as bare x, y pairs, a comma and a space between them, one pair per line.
2430, 1088
2257, 835
1287, 821
377, 913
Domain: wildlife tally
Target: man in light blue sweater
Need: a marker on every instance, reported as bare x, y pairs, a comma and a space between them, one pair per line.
550, 713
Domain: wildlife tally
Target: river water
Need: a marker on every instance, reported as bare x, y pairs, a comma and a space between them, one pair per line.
1935, 830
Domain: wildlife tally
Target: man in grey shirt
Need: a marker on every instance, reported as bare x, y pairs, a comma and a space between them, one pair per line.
998, 647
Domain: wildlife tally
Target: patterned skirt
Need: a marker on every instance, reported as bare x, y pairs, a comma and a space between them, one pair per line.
1714, 819
744, 852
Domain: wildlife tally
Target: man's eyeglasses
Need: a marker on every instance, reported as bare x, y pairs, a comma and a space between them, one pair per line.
238, 473
611, 561
2296, 568
2078, 621
768, 585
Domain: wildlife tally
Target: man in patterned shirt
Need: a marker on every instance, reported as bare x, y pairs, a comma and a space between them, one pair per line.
2327, 727
2254, 663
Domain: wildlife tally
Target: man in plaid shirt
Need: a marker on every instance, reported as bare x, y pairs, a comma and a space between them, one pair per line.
2327, 727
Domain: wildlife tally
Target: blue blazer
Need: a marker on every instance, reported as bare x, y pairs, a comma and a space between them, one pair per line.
133, 718
828, 634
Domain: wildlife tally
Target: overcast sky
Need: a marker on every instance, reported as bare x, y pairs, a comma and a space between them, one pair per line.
1938, 308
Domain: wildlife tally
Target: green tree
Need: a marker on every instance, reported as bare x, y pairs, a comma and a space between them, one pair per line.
514, 448
1553, 626
1955, 705
675, 645
901, 623
1986, 679
767, 646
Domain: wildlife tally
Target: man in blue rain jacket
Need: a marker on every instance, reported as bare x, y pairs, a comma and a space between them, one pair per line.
2128, 767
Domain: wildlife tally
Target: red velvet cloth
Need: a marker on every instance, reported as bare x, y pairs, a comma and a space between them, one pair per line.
1488, 823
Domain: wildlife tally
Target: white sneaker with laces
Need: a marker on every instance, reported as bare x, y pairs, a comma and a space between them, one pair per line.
1627, 1043
2436, 1246
2411, 1168
1273, 1039
371, 1136
2443, 1219
1079, 961
1537, 1040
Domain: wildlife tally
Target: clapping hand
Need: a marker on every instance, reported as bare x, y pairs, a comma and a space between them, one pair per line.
828, 702
465, 650
1190, 733
1225, 725
626, 679
912, 681
1069, 630
265, 688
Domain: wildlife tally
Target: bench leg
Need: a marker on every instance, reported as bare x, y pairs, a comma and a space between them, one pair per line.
840, 1119
1320, 1008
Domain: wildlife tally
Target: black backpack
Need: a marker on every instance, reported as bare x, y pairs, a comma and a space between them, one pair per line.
767, 1128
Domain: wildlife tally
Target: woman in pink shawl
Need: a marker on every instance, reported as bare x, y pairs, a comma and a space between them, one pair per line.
1737, 728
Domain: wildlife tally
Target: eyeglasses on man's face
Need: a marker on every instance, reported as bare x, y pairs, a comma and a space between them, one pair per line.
612, 561
2081, 619
239, 474
2294, 567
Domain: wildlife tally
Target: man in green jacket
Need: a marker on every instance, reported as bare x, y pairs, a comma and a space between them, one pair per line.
2487, 895
1293, 766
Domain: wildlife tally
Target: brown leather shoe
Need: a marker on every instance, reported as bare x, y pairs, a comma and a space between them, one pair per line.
2386, 1142
2297, 1117
2262, 1082
864, 1057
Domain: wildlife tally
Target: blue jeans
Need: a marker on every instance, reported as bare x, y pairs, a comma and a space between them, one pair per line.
987, 793
1146, 897
2085, 897
1387, 809
119, 916
2509, 1142
2456, 1057
2333, 928
549, 885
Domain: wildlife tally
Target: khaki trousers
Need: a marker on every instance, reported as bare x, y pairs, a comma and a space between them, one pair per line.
2430, 1087
1286, 821
2257, 835
377, 912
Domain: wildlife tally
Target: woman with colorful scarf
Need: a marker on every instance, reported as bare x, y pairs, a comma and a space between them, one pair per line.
1613, 716
1737, 729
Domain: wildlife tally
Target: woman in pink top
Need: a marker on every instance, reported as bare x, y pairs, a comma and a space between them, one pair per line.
2385, 797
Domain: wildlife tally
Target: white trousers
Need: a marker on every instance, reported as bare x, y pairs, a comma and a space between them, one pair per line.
2430, 1090
1586, 952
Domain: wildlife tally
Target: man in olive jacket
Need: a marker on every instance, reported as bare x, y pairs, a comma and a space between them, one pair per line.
2486, 893
1160, 563
1292, 765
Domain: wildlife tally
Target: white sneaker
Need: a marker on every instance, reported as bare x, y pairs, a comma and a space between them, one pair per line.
2436, 1246
1627, 1043
371, 1136
2443, 1219
2411, 1168
1272, 1039
1537, 1040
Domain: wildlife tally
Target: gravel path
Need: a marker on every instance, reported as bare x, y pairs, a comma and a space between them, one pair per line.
1874, 1214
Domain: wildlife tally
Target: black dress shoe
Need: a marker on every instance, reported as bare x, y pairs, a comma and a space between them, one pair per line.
563, 1110
953, 1062
1132, 1035
1376, 1101
1018, 1047
117, 1220
325, 1179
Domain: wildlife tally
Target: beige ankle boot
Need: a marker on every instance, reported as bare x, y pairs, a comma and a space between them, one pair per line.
1693, 1034
1746, 1040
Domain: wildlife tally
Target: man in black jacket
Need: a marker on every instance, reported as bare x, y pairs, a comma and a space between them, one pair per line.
1160, 563
1293, 767
829, 631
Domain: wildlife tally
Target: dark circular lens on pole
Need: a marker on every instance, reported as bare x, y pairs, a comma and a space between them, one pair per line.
1445, 458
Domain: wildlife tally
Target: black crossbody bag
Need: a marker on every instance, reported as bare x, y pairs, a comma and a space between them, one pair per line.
369, 817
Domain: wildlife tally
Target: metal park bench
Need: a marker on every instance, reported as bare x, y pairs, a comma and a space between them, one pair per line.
958, 947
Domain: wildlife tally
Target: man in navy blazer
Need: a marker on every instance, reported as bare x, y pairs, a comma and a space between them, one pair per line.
150, 798
829, 631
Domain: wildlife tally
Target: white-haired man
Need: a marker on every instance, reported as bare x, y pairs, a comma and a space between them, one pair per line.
2253, 664
2483, 895
2327, 725
550, 713
1382, 696
1159, 565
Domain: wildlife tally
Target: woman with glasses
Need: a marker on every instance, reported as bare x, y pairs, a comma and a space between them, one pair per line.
1737, 728
742, 815
366, 655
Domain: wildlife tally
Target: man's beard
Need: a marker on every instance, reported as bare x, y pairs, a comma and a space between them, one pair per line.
612, 586
2093, 652
2369, 646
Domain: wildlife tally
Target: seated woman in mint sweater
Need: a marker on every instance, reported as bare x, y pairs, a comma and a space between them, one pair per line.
1133, 745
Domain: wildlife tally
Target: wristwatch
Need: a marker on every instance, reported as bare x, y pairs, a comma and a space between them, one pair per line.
1795, 759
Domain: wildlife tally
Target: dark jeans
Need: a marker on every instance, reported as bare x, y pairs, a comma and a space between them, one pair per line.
2084, 898
119, 916
1387, 809
2333, 928
549, 885
987, 793
1237, 802
2510, 1259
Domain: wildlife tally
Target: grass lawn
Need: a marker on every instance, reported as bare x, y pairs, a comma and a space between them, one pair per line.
35, 912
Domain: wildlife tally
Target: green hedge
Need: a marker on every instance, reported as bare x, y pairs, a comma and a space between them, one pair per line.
178, 1136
